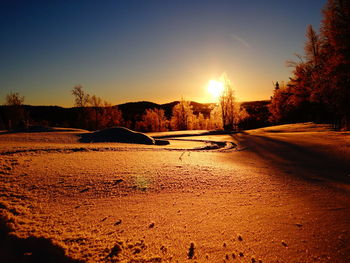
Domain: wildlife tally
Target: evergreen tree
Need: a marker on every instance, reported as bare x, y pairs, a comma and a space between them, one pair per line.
319, 89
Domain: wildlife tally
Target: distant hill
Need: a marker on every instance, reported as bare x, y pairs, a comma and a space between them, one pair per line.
66, 117
132, 111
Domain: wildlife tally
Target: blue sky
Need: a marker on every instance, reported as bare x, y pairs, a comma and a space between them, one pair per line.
148, 50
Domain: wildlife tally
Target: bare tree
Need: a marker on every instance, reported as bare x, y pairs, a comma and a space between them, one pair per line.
200, 122
81, 99
182, 118
215, 119
152, 120
14, 99
95, 113
16, 117
227, 104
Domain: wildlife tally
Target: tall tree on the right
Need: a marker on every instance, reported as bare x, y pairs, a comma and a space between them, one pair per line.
335, 31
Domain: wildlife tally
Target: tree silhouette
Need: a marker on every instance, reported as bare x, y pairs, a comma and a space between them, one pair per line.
15, 113
319, 89
335, 29
96, 104
81, 98
280, 107
111, 116
94, 113
14, 99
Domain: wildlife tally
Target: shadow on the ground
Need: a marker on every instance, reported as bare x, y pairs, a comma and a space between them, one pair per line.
319, 164
31, 249
206, 133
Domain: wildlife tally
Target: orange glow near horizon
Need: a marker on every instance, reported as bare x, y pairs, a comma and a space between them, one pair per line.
215, 88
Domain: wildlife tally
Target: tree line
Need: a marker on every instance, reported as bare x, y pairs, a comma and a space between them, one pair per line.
97, 114
93, 113
319, 88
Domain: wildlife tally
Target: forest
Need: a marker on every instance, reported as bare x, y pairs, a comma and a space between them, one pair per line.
142, 116
319, 88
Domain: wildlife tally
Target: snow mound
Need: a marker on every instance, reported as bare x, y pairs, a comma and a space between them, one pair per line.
117, 134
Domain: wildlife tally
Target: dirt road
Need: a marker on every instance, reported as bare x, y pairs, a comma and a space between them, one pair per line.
281, 196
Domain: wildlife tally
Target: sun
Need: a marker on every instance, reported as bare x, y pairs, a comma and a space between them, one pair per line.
215, 88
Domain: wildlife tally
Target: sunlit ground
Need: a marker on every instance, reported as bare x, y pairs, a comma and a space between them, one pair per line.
282, 195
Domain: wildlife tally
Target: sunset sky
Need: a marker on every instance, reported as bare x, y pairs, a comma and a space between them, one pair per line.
148, 50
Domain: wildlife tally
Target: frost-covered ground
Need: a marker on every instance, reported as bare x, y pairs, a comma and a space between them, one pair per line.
282, 195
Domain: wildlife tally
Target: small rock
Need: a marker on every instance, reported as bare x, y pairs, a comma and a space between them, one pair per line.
151, 225
163, 249
240, 238
118, 181
85, 190
191, 251
115, 250
284, 244
118, 222
136, 251
227, 256
241, 254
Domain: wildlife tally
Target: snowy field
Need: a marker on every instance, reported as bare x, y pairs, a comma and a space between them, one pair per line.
277, 194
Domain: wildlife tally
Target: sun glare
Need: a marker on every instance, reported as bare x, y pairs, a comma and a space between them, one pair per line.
215, 88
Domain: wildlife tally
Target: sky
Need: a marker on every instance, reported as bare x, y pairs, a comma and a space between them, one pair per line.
149, 50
